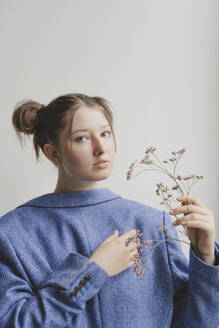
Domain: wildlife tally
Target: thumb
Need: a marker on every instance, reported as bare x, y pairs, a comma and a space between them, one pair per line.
112, 236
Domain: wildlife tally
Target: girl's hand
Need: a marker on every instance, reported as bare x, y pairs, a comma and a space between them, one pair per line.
197, 219
114, 255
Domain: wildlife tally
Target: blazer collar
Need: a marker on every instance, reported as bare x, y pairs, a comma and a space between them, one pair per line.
72, 199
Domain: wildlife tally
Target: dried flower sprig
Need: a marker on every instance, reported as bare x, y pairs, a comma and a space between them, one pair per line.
182, 185
141, 245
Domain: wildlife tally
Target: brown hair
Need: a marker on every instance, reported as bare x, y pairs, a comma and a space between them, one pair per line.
46, 122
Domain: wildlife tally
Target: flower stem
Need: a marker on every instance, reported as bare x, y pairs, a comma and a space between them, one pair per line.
160, 242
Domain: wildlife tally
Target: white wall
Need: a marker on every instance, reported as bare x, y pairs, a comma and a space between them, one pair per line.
155, 61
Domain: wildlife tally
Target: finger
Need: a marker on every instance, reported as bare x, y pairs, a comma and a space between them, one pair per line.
134, 251
189, 209
132, 248
198, 224
133, 256
128, 234
194, 200
191, 217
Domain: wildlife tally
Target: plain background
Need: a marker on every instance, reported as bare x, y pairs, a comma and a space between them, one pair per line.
155, 61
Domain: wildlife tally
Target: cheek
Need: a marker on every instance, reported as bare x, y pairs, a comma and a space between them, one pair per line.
82, 159
78, 157
113, 148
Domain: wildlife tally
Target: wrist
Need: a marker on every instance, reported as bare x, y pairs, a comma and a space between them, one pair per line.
210, 259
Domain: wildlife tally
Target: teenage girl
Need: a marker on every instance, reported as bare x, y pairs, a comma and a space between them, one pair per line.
64, 257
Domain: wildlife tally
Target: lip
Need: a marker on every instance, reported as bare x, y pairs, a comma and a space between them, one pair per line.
101, 161
101, 164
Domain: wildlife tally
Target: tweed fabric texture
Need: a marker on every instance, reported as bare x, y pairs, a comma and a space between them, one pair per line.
47, 279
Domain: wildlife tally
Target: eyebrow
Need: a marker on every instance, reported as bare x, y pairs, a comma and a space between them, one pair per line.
101, 127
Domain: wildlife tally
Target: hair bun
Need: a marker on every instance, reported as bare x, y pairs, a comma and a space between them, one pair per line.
25, 116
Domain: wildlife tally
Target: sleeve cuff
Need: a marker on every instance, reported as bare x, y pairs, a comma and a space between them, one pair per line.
203, 270
88, 283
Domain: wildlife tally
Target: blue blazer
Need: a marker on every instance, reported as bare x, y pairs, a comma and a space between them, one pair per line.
48, 280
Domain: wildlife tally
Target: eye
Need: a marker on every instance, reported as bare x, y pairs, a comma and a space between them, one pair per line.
79, 138
107, 132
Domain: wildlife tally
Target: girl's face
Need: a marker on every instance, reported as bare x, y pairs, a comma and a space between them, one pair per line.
78, 155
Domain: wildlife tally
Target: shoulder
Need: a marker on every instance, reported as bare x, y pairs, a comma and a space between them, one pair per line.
16, 218
135, 205
10, 219
142, 210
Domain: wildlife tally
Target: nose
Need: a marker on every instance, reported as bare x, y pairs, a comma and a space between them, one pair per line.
98, 147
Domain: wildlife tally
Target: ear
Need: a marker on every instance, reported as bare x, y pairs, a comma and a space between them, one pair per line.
52, 153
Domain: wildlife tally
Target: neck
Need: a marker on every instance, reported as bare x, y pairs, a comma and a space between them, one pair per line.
79, 187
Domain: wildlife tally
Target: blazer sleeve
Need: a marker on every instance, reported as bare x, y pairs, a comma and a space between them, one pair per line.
60, 298
196, 284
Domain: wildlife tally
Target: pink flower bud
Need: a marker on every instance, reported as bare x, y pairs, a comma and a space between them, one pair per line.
146, 160
128, 175
162, 227
172, 159
182, 151
132, 165
175, 187
148, 150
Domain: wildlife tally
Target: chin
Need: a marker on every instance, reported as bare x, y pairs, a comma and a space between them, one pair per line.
99, 177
